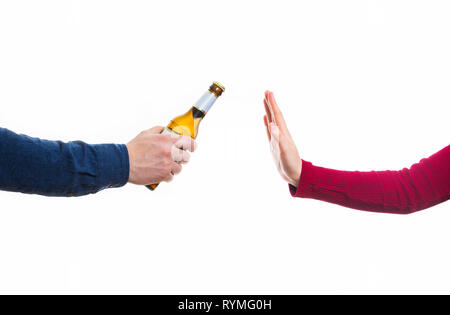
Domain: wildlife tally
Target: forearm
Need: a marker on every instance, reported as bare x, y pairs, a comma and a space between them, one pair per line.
54, 168
421, 186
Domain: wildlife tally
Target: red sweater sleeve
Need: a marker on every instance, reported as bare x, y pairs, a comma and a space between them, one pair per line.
425, 184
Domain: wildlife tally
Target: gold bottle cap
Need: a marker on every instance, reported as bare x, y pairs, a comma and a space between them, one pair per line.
219, 85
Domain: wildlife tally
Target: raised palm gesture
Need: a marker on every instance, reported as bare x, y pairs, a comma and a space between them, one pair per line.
282, 146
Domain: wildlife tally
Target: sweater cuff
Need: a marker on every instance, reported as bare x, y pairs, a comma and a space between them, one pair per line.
113, 165
305, 185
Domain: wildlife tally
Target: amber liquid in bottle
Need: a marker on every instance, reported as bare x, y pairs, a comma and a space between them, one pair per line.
188, 123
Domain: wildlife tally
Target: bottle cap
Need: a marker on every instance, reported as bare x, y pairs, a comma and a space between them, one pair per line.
219, 85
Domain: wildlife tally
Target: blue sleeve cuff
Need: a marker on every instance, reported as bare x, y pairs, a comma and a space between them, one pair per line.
113, 165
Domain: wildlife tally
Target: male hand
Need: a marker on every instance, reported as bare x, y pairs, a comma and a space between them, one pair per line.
156, 158
282, 146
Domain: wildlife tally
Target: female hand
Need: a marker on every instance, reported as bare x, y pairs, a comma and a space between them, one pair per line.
282, 146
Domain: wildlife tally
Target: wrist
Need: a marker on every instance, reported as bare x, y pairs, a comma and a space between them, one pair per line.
130, 169
295, 178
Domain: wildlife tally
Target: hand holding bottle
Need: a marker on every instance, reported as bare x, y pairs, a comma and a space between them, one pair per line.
283, 148
156, 157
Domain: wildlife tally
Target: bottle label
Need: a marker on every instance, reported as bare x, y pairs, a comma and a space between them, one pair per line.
206, 101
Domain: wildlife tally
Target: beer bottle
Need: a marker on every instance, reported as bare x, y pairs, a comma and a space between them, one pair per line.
188, 123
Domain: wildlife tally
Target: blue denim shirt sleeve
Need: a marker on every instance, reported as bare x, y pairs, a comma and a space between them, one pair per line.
54, 168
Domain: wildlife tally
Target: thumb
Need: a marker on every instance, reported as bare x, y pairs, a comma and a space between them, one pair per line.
274, 132
156, 129
275, 140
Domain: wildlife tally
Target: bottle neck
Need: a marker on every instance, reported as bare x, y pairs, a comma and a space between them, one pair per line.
206, 101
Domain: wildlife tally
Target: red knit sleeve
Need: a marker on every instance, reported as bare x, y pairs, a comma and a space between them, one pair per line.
425, 184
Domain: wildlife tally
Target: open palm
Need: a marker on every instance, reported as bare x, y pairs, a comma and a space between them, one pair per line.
283, 148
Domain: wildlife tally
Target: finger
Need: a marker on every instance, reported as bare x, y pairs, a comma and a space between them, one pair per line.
279, 119
180, 156
266, 94
155, 130
266, 123
268, 106
269, 113
186, 143
176, 168
268, 110
185, 158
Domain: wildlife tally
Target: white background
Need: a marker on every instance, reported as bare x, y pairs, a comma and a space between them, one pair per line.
363, 85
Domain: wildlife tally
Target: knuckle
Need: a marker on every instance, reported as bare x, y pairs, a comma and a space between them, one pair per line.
164, 138
167, 151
